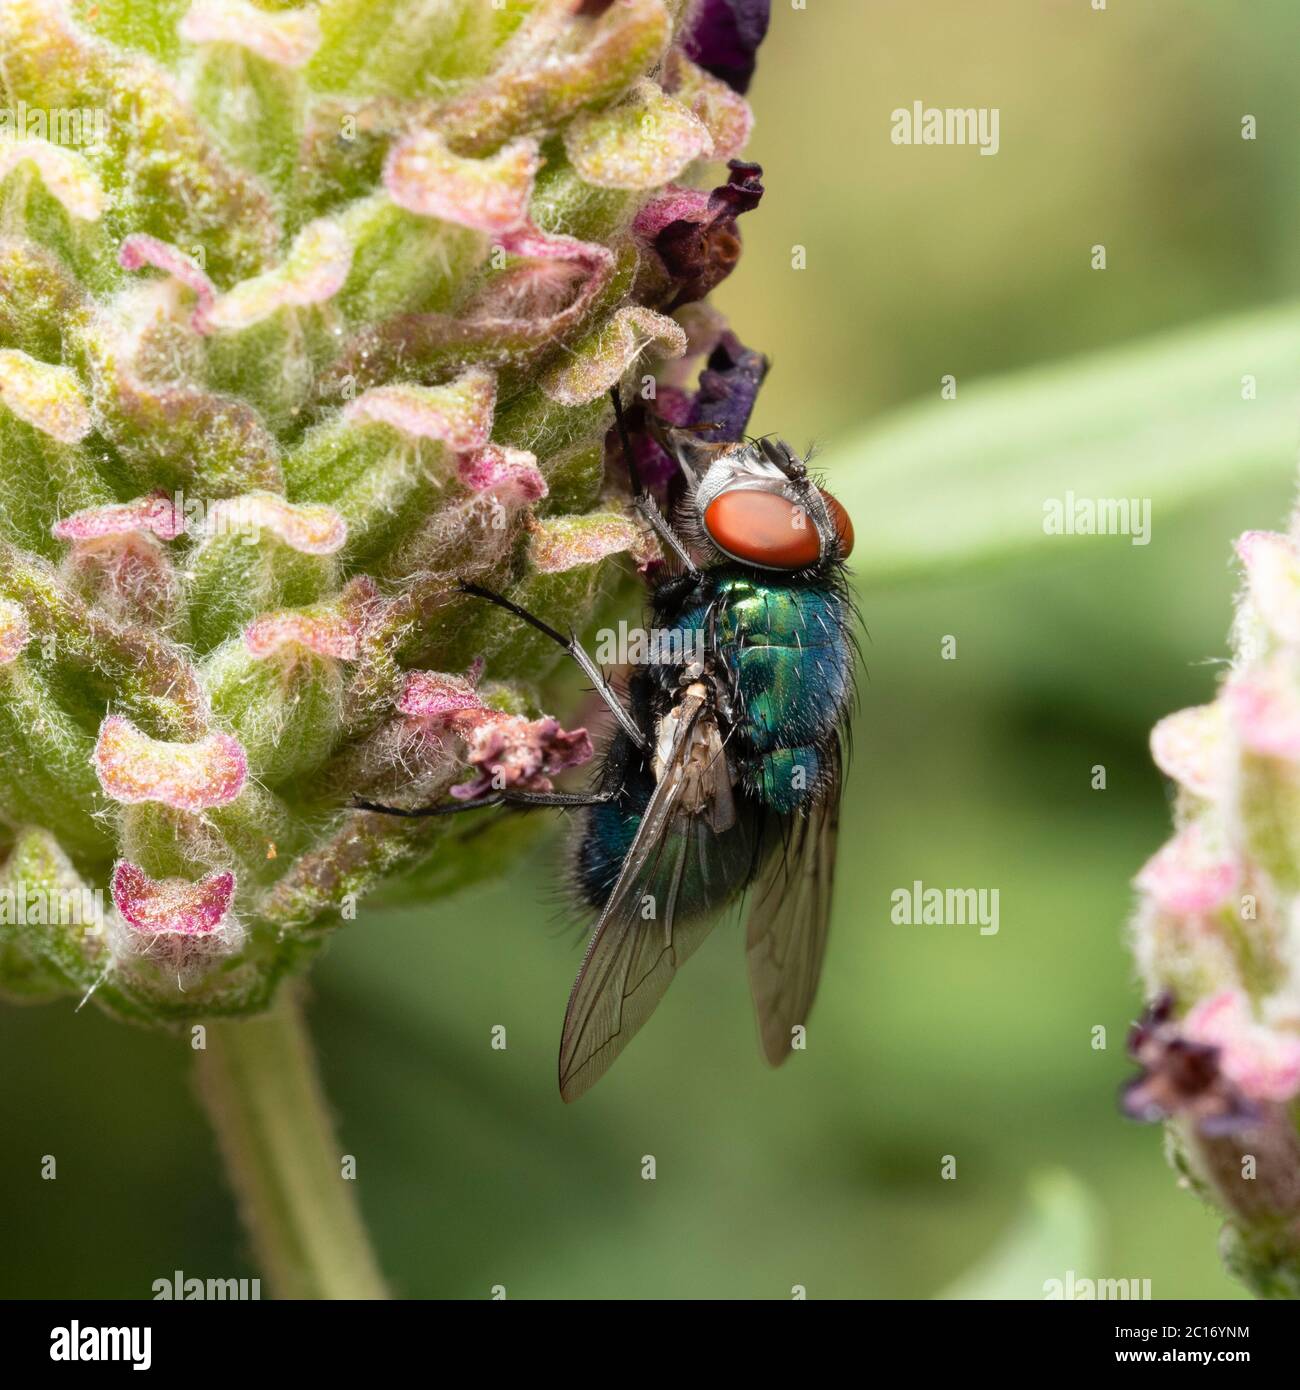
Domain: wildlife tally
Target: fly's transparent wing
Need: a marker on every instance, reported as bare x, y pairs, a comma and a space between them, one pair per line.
643, 934
785, 939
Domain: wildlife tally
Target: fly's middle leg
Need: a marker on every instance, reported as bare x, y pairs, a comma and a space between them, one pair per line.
501, 798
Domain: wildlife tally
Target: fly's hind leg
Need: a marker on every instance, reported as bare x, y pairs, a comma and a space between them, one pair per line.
575, 650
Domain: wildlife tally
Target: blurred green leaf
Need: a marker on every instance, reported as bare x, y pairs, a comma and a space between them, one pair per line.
958, 481
1056, 1234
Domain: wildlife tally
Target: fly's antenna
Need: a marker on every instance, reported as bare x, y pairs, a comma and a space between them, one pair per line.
669, 439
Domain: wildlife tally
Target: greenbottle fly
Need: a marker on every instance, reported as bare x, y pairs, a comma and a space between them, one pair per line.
722, 778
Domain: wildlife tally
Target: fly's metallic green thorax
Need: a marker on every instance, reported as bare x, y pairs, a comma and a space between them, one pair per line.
791, 652
788, 653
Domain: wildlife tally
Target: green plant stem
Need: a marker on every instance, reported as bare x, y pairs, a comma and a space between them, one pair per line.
259, 1085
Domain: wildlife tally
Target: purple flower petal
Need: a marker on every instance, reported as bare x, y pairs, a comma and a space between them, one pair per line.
723, 36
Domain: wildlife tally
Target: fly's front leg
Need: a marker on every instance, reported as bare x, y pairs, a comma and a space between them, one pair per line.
575, 650
646, 506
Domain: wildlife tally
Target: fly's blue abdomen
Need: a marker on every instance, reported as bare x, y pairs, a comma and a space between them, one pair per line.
783, 779
698, 870
606, 836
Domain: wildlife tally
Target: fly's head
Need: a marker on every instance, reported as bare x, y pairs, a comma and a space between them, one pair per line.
754, 503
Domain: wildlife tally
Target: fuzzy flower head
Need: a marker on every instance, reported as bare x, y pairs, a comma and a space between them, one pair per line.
317, 322
1215, 930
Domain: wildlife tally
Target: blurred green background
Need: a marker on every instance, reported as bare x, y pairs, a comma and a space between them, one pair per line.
1121, 127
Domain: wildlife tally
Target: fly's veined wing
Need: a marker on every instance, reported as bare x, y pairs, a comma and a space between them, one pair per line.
631, 960
785, 939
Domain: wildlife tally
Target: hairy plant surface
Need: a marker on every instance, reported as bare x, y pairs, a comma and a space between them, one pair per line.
307, 314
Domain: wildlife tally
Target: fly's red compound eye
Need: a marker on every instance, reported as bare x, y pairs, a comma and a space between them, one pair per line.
767, 529
840, 520
764, 528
